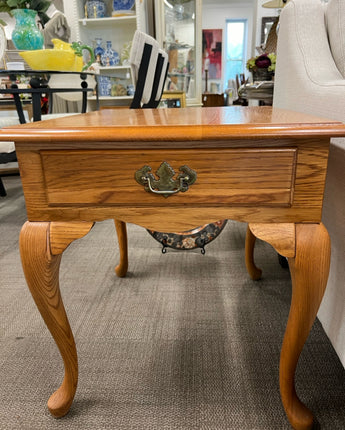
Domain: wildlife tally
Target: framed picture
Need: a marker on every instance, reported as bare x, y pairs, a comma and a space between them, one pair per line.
267, 22
173, 99
212, 53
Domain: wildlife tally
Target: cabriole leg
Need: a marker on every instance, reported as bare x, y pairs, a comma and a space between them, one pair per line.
309, 273
307, 247
121, 230
41, 247
253, 270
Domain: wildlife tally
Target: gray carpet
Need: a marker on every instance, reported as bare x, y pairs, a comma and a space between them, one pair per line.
185, 342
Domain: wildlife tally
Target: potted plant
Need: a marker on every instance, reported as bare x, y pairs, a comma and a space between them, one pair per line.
262, 66
26, 34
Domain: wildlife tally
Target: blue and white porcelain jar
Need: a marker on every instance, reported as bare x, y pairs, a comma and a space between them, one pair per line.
109, 56
99, 50
104, 86
96, 8
123, 5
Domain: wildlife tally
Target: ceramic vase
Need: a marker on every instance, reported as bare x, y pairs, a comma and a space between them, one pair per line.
110, 57
96, 8
98, 51
123, 5
104, 86
26, 35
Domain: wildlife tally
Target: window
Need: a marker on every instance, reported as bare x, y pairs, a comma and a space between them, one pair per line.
236, 35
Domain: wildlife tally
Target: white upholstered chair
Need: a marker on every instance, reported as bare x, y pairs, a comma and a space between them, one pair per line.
310, 78
8, 159
149, 66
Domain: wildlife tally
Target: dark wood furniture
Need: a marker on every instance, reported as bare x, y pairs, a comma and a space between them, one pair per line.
263, 166
213, 100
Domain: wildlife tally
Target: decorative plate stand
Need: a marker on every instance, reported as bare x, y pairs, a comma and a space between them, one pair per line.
197, 238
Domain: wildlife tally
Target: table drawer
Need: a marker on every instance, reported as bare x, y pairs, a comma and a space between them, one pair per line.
246, 177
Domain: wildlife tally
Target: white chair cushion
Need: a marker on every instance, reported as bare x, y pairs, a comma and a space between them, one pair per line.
7, 147
8, 121
57, 115
138, 43
335, 20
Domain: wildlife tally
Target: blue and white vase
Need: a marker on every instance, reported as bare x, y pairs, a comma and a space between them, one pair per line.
110, 57
123, 5
104, 86
96, 8
98, 51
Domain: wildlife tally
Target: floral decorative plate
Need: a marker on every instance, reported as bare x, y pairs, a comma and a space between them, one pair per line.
191, 239
123, 5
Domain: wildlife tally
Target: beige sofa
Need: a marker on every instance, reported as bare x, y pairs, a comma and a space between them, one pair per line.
310, 78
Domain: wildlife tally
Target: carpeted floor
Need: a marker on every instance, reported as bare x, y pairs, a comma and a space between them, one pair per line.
185, 341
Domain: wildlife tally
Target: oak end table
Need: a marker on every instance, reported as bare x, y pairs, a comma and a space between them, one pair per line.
172, 170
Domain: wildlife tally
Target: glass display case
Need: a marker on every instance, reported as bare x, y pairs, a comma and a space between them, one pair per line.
178, 31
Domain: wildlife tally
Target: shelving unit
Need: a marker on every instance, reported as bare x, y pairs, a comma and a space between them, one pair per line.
178, 31
118, 29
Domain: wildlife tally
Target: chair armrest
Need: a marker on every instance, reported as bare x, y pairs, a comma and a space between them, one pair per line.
307, 79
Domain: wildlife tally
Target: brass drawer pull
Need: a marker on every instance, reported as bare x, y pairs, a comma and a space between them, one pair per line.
166, 185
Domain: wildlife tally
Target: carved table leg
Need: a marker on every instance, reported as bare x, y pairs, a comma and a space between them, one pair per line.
41, 247
254, 272
122, 267
309, 266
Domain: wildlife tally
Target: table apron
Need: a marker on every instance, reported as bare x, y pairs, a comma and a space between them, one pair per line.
269, 184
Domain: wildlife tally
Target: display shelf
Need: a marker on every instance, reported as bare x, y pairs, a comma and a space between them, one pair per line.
108, 20
119, 30
178, 26
181, 75
114, 98
108, 68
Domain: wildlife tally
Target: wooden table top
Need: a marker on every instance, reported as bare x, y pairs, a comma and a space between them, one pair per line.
186, 124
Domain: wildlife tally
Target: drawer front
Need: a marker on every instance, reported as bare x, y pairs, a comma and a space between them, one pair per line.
245, 177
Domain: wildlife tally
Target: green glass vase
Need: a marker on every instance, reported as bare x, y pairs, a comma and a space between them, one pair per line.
26, 35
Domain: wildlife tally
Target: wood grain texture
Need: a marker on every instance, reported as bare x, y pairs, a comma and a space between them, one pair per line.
253, 271
309, 266
231, 198
121, 230
280, 236
189, 124
41, 270
309, 273
235, 178
61, 234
